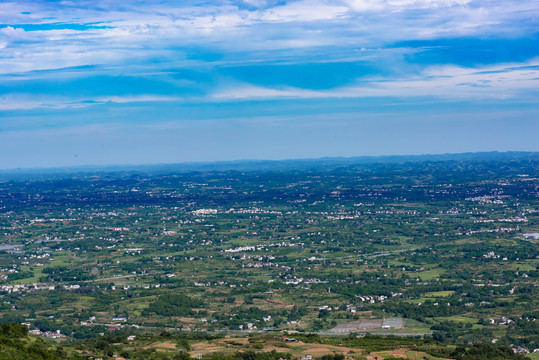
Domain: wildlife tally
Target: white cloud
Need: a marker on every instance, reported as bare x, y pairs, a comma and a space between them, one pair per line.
304, 11
230, 28
249, 92
365, 5
425, 4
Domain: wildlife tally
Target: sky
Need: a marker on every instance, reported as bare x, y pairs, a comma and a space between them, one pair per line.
100, 82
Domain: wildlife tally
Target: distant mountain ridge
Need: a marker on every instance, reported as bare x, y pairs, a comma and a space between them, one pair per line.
273, 165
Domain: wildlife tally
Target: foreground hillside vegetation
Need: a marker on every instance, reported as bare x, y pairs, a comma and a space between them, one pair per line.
15, 344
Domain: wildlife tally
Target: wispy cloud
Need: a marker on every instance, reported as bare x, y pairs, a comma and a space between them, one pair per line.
504, 81
25, 102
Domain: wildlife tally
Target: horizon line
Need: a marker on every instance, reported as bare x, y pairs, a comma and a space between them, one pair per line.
74, 168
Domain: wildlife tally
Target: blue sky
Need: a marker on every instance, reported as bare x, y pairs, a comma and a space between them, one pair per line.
127, 82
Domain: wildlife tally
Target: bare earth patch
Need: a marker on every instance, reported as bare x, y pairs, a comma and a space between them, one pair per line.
162, 346
206, 348
228, 339
318, 350
399, 353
